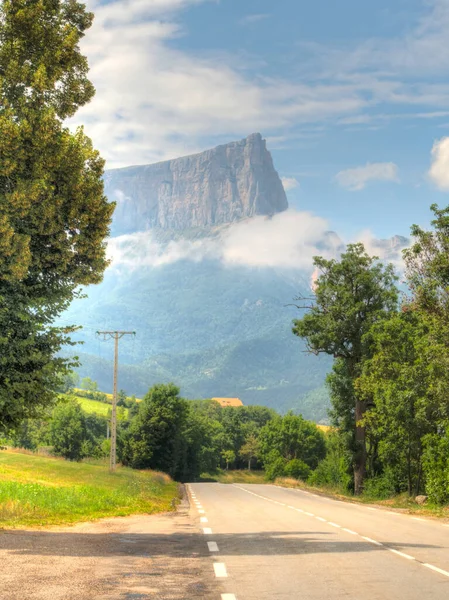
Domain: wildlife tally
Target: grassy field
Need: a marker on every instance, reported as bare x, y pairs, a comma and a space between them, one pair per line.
99, 408
92, 406
40, 491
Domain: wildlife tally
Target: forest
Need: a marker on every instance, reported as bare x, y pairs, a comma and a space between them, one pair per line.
183, 438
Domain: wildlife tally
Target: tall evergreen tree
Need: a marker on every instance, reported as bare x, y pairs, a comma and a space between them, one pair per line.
54, 216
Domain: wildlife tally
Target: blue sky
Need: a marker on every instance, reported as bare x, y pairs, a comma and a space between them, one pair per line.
352, 96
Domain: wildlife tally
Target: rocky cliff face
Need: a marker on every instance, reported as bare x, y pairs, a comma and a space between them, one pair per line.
219, 186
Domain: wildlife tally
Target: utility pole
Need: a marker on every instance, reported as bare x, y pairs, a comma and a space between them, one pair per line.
114, 335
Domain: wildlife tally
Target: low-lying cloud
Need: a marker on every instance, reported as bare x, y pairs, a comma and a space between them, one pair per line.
288, 240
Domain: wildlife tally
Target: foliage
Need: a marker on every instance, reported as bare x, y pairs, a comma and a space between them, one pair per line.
228, 457
427, 265
291, 437
274, 465
67, 430
382, 486
334, 470
154, 438
350, 296
436, 466
297, 469
250, 449
404, 380
73, 433
54, 216
88, 384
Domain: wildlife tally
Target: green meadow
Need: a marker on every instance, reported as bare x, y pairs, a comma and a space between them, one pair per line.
39, 491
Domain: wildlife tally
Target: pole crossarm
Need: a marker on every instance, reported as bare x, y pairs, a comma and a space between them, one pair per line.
107, 335
116, 336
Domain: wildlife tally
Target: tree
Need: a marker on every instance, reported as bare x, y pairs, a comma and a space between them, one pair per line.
67, 430
122, 398
292, 437
427, 265
54, 216
350, 296
89, 385
228, 457
403, 379
250, 449
155, 439
70, 382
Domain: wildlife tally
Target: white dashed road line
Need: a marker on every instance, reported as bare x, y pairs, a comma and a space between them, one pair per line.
228, 597
220, 570
407, 556
213, 546
371, 541
203, 520
207, 531
446, 573
350, 531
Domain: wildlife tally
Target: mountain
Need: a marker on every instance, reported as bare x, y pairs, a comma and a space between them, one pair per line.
212, 317
219, 186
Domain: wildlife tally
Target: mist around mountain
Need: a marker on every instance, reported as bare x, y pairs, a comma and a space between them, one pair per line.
206, 262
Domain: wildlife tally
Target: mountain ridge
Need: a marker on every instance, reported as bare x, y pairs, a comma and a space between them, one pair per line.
222, 185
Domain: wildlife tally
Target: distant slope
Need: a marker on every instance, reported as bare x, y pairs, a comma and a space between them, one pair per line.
213, 330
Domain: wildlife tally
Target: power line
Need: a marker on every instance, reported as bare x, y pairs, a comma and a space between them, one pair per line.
116, 336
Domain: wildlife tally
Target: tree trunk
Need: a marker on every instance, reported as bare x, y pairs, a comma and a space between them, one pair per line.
249, 465
409, 470
360, 453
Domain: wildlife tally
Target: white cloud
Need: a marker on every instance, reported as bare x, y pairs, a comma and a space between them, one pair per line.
254, 18
289, 183
357, 178
288, 240
389, 250
439, 170
155, 102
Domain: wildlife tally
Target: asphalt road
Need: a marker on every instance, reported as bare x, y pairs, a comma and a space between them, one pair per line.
267, 542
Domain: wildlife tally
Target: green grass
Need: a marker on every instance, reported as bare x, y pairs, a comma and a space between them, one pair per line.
99, 408
92, 406
40, 491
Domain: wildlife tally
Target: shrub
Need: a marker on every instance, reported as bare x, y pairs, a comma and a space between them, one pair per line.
274, 466
335, 470
436, 467
297, 469
381, 487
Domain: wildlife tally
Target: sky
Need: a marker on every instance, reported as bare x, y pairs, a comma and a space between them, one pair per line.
352, 96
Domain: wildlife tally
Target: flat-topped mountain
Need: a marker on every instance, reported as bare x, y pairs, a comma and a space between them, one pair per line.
223, 185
